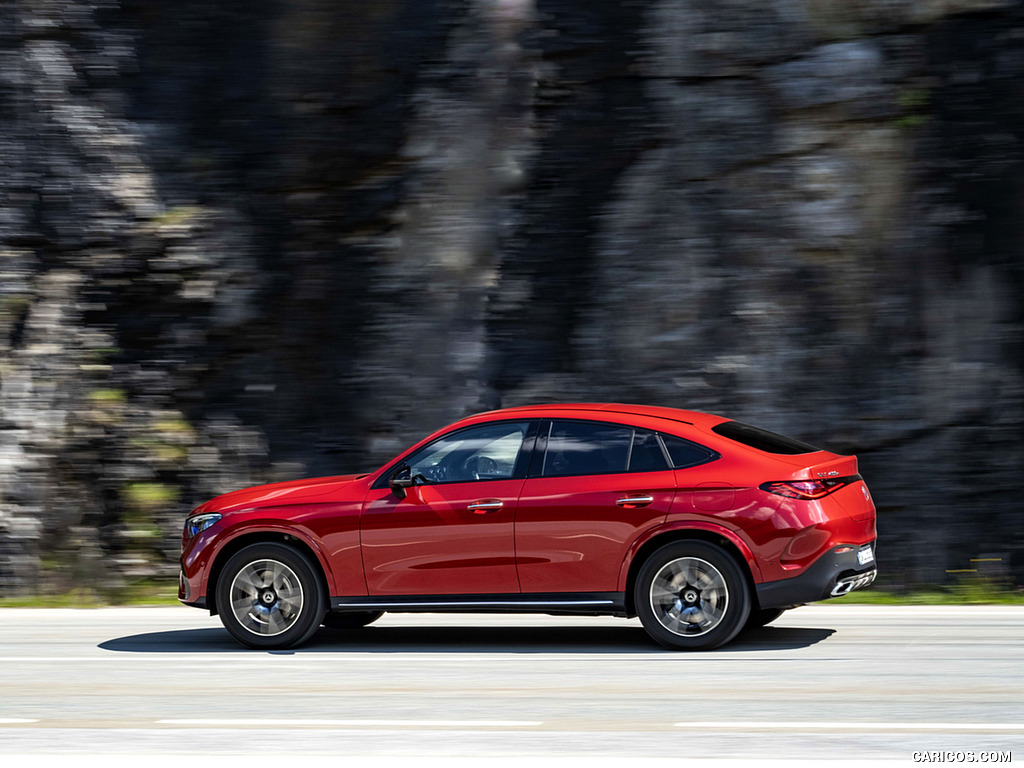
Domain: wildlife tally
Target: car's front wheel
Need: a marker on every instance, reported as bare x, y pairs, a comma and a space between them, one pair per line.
269, 596
691, 596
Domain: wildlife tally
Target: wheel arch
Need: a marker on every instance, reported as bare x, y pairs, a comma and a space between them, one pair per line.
262, 537
738, 551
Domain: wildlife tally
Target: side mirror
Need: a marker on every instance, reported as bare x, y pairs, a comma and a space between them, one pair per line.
400, 480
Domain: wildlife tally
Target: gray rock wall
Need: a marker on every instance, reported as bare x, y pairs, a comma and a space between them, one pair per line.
241, 242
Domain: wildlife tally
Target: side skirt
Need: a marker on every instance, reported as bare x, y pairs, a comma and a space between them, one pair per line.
562, 604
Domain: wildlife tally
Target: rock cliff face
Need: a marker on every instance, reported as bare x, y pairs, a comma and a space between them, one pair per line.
244, 241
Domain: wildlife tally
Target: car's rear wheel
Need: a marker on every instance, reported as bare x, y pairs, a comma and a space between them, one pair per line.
762, 617
269, 596
692, 596
351, 619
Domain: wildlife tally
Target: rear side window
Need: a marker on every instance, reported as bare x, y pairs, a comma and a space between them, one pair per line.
686, 454
646, 454
583, 448
592, 448
762, 439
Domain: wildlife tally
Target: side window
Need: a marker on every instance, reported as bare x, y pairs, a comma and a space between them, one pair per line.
646, 455
686, 454
585, 448
486, 452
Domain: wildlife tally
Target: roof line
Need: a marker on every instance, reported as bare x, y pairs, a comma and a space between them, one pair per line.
617, 408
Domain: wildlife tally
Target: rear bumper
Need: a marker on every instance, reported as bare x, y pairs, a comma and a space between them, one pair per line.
834, 574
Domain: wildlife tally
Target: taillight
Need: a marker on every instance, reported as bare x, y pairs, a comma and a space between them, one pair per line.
808, 490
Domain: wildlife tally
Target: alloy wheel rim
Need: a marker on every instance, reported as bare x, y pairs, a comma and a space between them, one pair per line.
266, 597
689, 596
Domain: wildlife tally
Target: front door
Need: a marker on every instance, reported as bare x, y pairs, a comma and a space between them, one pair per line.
454, 532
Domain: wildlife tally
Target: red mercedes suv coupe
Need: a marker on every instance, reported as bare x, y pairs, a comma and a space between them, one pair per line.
699, 525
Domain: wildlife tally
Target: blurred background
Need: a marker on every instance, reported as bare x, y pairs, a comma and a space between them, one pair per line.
248, 241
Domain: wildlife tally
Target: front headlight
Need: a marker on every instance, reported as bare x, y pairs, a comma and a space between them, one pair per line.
199, 523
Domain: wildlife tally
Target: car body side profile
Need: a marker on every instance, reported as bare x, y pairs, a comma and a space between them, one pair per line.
697, 524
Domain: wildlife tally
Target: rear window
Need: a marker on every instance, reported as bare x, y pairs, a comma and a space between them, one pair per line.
762, 439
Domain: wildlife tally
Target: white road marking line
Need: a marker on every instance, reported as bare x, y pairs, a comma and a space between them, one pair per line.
256, 657
347, 723
15, 721
49, 659
856, 726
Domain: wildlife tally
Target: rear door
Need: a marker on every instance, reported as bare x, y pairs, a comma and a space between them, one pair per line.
594, 487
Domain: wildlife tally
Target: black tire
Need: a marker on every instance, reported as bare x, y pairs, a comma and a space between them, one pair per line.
270, 596
762, 617
692, 596
351, 619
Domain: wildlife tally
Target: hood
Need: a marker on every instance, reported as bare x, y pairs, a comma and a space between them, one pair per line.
279, 494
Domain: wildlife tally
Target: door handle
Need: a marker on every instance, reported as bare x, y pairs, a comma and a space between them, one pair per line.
631, 502
483, 507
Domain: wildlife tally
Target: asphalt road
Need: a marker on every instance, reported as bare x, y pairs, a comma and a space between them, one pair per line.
825, 682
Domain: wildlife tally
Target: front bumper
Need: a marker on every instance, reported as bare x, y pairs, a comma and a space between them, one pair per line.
834, 574
186, 593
